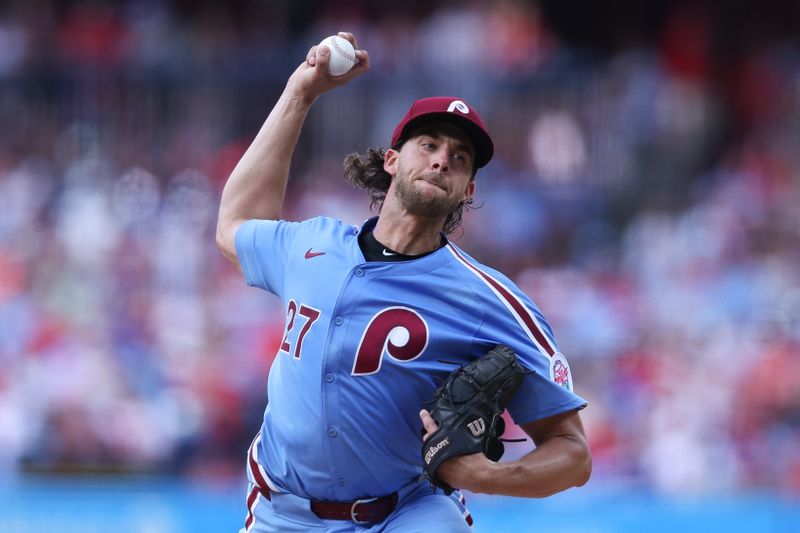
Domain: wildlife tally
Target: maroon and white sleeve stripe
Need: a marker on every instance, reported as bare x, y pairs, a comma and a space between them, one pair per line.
524, 317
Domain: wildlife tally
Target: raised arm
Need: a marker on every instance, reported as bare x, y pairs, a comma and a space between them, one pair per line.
257, 185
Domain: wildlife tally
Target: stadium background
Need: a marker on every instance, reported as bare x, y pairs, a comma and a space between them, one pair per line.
645, 191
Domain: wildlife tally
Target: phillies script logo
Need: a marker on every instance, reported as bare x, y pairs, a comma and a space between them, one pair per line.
561, 374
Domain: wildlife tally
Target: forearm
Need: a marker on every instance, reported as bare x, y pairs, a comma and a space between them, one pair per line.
561, 460
556, 465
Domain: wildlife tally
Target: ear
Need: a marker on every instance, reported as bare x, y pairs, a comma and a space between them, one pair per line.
470, 192
390, 161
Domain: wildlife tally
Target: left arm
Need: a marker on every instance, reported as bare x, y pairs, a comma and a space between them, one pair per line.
561, 460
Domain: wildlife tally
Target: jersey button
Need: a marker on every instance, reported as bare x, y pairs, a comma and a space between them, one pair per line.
329, 378
341, 481
359, 273
339, 321
332, 431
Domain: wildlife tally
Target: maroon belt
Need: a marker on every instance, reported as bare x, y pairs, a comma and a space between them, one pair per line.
363, 511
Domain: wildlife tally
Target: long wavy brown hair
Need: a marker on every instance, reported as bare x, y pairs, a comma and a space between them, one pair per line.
365, 171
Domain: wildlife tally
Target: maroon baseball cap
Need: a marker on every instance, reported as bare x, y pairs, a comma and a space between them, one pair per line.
448, 109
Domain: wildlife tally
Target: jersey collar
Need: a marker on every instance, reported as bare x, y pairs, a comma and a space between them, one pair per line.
423, 264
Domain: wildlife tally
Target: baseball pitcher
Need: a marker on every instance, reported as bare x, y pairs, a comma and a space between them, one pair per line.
401, 351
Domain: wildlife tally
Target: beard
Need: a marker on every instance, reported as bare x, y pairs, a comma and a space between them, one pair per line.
419, 203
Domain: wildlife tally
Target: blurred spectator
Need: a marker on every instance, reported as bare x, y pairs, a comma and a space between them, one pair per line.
651, 209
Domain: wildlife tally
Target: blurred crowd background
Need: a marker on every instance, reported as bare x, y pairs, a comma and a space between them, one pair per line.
645, 192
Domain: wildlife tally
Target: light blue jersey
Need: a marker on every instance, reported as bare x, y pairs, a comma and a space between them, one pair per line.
363, 348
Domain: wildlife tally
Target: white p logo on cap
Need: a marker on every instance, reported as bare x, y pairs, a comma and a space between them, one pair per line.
459, 106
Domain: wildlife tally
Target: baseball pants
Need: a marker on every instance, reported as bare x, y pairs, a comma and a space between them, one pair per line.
420, 509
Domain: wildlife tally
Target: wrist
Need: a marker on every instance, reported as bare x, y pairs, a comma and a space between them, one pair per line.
299, 95
303, 100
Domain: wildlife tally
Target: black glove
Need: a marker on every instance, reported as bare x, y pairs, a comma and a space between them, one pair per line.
468, 408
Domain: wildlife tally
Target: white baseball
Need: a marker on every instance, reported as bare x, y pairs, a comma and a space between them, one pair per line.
343, 55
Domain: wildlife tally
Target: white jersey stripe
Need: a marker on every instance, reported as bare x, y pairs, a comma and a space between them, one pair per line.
527, 320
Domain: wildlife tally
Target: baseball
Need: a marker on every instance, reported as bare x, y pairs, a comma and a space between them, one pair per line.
343, 55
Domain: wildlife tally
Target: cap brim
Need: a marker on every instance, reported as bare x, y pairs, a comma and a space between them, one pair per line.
484, 147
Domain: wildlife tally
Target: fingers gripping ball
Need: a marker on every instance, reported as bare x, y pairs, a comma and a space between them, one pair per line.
343, 55
468, 408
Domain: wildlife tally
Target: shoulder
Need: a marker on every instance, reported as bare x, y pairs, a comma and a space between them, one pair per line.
316, 225
330, 226
328, 223
508, 310
484, 278
316, 222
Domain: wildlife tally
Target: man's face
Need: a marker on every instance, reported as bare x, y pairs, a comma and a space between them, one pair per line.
432, 172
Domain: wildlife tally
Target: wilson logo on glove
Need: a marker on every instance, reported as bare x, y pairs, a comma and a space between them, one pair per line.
434, 450
477, 427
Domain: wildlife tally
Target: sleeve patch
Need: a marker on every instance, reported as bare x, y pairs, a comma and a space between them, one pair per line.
559, 371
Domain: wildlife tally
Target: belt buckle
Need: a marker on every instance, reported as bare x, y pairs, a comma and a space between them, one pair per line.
353, 510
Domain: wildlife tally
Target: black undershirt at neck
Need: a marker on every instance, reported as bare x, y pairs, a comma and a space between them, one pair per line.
375, 251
